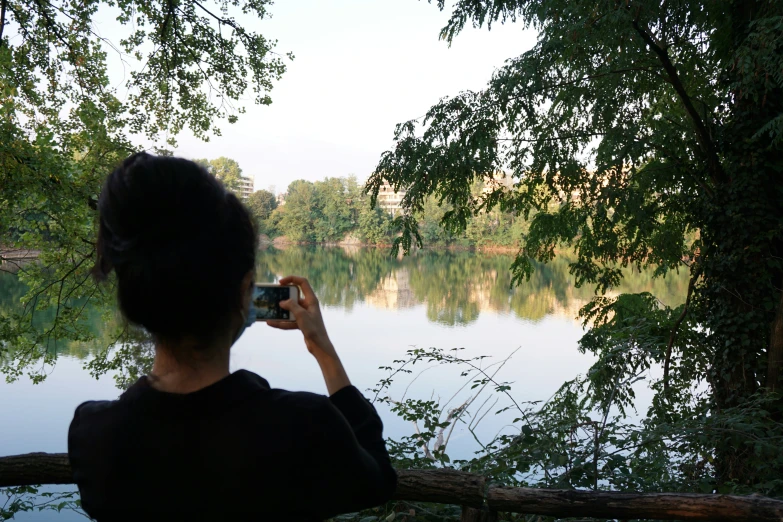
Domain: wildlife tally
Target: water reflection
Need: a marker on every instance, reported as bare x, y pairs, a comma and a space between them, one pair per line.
455, 286
377, 306
101, 325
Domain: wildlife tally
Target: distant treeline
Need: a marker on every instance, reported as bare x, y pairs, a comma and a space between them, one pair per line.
331, 210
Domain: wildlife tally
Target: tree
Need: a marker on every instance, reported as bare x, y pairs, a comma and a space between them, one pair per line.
334, 217
374, 225
296, 220
320, 212
428, 220
628, 127
64, 126
261, 204
226, 170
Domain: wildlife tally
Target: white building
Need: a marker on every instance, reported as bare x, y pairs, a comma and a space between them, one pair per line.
246, 187
389, 200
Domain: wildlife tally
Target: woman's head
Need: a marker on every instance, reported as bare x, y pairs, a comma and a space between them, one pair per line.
180, 244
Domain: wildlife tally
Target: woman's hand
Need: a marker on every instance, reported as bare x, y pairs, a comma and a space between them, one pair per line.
307, 319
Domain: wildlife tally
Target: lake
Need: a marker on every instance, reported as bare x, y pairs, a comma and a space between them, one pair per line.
376, 307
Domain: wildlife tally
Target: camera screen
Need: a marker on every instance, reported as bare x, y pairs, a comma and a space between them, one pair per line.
266, 302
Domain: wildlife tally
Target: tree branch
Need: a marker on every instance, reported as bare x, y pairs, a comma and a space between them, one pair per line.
702, 134
554, 138
54, 27
707, 190
220, 20
2, 19
169, 13
673, 335
595, 76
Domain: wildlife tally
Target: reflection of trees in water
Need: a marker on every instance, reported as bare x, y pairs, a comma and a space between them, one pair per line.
108, 343
455, 285
89, 331
11, 291
339, 277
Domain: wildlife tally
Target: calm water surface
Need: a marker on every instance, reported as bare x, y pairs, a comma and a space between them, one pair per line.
375, 308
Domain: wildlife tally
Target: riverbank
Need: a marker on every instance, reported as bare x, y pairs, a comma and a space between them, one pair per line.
11, 260
353, 242
18, 254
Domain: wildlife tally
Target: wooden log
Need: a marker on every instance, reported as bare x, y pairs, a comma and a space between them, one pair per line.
467, 489
660, 506
445, 486
18, 254
35, 468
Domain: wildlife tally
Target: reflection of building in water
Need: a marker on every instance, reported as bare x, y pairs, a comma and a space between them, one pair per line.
526, 303
480, 292
389, 200
551, 305
545, 303
393, 291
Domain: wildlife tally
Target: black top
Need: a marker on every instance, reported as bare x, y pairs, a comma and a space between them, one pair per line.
235, 450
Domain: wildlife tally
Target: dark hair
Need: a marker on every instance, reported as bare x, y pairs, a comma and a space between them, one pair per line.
179, 242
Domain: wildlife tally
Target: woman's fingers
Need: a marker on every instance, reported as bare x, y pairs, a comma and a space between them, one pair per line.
308, 318
292, 305
283, 325
307, 290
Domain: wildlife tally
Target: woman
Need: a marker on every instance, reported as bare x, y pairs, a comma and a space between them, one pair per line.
192, 441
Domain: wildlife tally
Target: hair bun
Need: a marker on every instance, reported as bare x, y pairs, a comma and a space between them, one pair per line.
150, 201
167, 225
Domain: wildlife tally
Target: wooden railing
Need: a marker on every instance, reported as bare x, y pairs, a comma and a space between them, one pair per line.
481, 501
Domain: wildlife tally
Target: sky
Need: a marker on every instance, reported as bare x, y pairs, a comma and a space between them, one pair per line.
360, 67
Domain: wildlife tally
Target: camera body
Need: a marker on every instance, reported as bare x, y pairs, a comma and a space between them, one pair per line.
265, 303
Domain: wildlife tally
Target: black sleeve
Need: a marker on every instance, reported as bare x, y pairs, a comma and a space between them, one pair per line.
353, 470
76, 444
78, 456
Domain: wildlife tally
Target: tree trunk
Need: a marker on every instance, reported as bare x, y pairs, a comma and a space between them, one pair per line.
35, 468
743, 273
660, 506
467, 489
441, 485
775, 354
